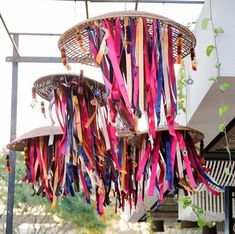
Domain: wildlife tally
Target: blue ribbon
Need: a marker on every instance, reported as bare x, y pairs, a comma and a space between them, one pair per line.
69, 118
58, 191
169, 176
120, 152
82, 152
91, 34
70, 170
159, 76
88, 180
202, 172
107, 173
67, 184
131, 21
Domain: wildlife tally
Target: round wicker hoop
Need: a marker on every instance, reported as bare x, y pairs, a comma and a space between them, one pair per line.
196, 135
68, 39
20, 142
45, 85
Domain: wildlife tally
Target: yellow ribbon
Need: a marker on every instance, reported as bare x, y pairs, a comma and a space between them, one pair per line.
92, 117
128, 67
41, 144
55, 187
123, 165
78, 118
165, 70
140, 61
102, 45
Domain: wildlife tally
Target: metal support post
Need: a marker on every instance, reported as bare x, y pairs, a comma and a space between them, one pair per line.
228, 210
11, 177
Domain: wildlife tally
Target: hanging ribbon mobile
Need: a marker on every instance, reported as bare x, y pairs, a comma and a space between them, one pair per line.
172, 163
49, 170
136, 52
89, 141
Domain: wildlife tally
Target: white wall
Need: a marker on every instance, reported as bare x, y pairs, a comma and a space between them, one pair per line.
223, 16
204, 97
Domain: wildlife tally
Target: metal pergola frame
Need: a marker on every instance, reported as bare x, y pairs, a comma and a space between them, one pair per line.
15, 59
136, 2
228, 209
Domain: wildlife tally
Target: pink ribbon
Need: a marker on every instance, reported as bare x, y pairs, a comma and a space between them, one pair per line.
116, 69
186, 159
84, 185
143, 162
101, 210
31, 155
173, 151
154, 166
148, 80
161, 180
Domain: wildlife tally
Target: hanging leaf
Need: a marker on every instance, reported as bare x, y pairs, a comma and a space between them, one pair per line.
199, 211
200, 223
224, 86
181, 103
221, 127
226, 171
204, 23
217, 65
210, 224
223, 109
209, 49
214, 78
186, 201
218, 30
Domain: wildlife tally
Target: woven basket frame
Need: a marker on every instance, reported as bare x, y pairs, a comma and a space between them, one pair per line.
20, 142
45, 85
134, 139
68, 41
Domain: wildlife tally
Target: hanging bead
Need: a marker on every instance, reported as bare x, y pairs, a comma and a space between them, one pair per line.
116, 150
193, 59
34, 97
93, 102
128, 42
189, 81
185, 152
179, 49
81, 74
8, 163
104, 96
80, 90
64, 59
80, 41
202, 158
26, 155
106, 50
43, 108
34, 93
97, 92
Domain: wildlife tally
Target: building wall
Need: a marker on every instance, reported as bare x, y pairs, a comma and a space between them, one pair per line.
204, 97
223, 16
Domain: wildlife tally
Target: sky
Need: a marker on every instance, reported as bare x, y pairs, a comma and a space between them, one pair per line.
47, 16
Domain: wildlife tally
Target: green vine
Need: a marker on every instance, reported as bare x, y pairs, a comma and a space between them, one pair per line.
150, 221
200, 213
191, 25
149, 214
181, 84
222, 86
